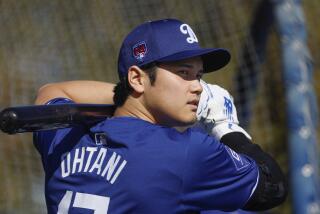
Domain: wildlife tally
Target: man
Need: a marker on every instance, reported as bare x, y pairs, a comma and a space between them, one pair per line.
136, 162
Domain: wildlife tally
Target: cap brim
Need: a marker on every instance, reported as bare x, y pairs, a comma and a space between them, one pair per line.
213, 59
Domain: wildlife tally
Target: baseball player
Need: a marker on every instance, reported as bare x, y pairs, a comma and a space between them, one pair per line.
136, 162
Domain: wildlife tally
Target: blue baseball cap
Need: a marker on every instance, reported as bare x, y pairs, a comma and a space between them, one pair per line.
166, 40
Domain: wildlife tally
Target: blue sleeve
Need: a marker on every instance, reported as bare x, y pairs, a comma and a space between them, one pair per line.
46, 141
216, 177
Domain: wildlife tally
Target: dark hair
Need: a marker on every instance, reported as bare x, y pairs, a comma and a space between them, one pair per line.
123, 88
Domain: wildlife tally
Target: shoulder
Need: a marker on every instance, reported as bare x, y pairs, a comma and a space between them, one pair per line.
198, 135
201, 145
45, 141
219, 171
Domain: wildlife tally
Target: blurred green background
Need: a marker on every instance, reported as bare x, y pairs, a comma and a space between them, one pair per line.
44, 41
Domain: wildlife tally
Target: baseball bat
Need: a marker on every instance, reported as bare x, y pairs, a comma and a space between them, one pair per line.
46, 117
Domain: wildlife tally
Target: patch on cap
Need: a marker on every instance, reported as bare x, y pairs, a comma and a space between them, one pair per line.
140, 50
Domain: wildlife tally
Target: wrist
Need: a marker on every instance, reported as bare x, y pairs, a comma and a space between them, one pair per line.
221, 129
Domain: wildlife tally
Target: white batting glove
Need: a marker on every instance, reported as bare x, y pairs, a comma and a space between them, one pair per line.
216, 113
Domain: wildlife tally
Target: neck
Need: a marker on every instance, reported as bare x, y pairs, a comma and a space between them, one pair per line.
133, 107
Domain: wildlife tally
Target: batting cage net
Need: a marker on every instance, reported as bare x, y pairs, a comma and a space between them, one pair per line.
44, 41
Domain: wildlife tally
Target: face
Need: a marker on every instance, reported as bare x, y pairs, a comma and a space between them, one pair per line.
173, 98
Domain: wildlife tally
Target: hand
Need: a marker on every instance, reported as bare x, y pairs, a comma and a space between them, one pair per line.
216, 113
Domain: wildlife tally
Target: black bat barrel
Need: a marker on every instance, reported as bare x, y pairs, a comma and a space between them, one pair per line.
8, 121
46, 117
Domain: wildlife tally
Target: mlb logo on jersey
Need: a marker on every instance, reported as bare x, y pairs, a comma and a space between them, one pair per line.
140, 50
100, 138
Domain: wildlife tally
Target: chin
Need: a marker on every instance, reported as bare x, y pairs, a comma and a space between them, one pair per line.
188, 122
178, 120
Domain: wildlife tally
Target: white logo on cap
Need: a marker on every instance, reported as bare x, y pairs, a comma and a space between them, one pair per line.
186, 29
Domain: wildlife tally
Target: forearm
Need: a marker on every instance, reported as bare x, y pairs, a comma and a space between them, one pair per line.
81, 91
272, 187
217, 115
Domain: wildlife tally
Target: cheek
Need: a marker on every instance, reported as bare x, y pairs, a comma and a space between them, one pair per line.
166, 99
172, 102
172, 95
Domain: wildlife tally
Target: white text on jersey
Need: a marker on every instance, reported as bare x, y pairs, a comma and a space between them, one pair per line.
93, 160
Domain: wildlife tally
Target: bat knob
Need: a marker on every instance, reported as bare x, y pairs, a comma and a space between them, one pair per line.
8, 121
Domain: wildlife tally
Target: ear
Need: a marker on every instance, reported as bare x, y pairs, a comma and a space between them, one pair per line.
136, 78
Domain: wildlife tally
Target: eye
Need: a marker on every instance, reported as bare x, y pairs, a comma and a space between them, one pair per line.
183, 73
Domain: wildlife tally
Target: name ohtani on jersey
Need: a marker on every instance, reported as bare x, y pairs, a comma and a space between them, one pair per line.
93, 160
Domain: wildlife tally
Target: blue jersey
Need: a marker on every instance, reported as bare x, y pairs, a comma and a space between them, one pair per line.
128, 165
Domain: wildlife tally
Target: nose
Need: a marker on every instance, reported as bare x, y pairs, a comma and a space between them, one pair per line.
196, 87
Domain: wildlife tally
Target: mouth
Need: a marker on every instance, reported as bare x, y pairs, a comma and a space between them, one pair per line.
194, 104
